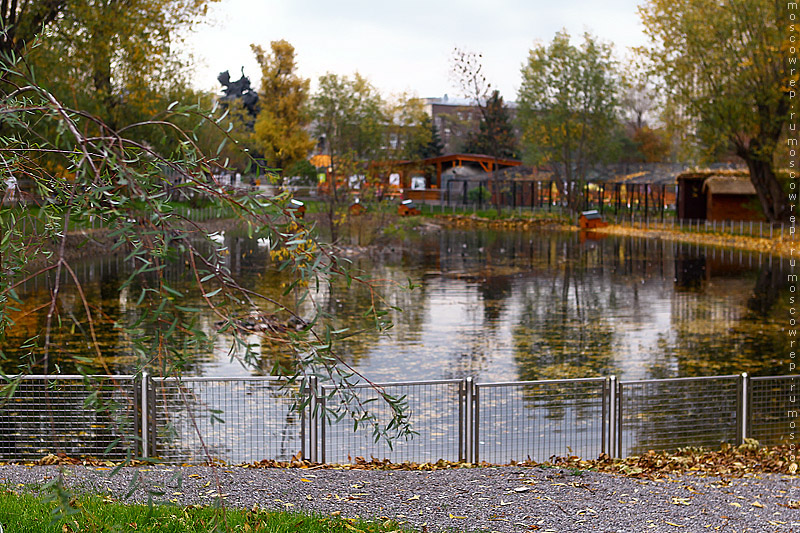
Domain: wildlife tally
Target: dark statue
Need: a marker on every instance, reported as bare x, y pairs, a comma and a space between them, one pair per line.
239, 90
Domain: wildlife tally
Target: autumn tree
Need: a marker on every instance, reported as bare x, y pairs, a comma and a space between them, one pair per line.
495, 135
280, 132
23, 20
117, 59
349, 114
407, 129
568, 110
725, 67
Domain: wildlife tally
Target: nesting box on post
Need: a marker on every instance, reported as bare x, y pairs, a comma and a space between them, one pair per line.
591, 219
407, 208
357, 208
297, 207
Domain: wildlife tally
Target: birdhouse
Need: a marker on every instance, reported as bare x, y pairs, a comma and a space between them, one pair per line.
357, 208
591, 219
407, 208
297, 207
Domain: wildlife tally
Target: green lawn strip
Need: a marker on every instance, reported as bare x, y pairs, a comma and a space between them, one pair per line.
24, 512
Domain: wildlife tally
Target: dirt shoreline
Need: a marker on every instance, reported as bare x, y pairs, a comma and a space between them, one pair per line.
776, 246
93, 243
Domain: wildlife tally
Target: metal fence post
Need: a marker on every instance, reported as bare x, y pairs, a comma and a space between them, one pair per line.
462, 393
145, 413
322, 425
612, 416
744, 407
468, 419
618, 424
477, 424
313, 419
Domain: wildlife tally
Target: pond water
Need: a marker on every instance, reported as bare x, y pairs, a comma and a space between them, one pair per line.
498, 306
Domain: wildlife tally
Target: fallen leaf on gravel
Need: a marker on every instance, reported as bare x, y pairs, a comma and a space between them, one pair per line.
681, 501
523, 489
306, 480
459, 517
674, 524
415, 497
757, 504
735, 504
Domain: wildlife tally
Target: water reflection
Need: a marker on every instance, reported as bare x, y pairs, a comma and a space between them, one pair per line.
490, 304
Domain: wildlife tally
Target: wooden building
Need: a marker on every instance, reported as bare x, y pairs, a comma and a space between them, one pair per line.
717, 195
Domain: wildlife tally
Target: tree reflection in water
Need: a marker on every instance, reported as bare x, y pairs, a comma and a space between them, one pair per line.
495, 305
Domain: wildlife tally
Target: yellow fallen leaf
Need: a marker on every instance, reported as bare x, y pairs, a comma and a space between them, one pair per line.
681, 501
757, 504
415, 497
459, 517
306, 480
674, 524
735, 504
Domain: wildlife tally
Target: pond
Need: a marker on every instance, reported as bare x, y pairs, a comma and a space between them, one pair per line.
497, 306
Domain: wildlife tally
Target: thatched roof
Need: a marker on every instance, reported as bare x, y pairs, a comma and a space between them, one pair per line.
729, 185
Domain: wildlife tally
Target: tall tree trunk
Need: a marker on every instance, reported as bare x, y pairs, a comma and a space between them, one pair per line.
773, 199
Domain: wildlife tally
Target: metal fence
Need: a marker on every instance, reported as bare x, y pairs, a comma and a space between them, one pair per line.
236, 420
69, 414
771, 407
675, 413
538, 419
435, 407
241, 420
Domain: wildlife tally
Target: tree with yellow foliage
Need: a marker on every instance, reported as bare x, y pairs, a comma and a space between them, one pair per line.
279, 132
568, 108
116, 59
725, 66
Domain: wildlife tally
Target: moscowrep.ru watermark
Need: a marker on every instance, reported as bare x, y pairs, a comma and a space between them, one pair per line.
792, 148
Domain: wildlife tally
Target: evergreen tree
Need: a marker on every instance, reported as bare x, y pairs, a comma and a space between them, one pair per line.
495, 136
427, 145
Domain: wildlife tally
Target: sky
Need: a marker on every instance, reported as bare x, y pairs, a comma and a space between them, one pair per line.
404, 45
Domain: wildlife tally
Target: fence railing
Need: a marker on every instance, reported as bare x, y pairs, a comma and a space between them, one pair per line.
241, 420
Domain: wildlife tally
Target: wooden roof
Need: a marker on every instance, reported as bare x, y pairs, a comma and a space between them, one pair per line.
729, 185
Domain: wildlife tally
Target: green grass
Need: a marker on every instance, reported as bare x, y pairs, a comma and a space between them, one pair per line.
27, 513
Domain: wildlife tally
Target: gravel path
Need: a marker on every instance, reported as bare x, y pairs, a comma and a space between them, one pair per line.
472, 499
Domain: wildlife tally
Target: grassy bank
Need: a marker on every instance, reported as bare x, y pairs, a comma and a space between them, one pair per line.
26, 513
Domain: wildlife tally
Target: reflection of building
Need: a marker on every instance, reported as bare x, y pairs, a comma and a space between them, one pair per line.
717, 195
